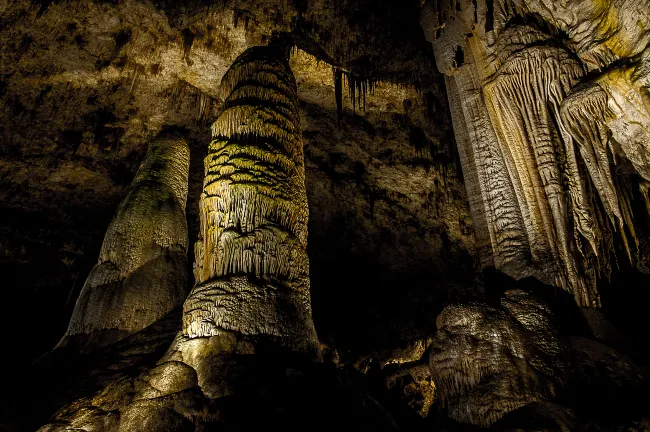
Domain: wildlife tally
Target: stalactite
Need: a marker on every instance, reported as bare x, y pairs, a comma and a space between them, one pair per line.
608, 120
358, 88
338, 92
141, 272
203, 102
584, 114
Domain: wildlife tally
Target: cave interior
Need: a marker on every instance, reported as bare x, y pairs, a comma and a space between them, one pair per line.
325, 215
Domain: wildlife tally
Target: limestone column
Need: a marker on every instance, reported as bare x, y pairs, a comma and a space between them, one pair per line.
141, 273
251, 296
499, 224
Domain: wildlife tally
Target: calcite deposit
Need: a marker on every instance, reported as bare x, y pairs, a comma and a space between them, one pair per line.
324, 215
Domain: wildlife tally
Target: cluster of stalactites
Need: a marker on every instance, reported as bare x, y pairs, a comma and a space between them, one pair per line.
358, 89
204, 103
585, 113
533, 108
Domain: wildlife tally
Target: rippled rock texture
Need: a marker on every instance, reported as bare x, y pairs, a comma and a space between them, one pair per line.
489, 361
543, 133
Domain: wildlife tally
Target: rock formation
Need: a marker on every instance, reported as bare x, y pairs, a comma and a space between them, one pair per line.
141, 273
342, 122
251, 263
251, 266
489, 361
536, 139
251, 298
511, 365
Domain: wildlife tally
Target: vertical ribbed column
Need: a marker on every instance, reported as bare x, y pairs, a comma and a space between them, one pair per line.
251, 269
141, 274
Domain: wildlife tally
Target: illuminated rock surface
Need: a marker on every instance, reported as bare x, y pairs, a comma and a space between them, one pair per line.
489, 361
141, 274
544, 105
537, 142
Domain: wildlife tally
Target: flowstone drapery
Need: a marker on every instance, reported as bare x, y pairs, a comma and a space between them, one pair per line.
523, 98
537, 146
540, 131
141, 272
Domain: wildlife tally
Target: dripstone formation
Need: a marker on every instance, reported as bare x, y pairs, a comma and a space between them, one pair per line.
251, 267
141, 273
251, 263
543, 128
405, 216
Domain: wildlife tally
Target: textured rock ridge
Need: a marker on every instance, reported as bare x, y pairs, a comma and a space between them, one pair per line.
524, 97
141, 272
487, 361
540, 130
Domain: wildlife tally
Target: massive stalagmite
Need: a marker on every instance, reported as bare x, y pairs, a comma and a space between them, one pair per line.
251, 296
251, 265
248, 318
141, 272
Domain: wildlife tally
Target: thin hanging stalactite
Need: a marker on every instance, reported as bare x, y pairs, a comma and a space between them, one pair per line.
338, 92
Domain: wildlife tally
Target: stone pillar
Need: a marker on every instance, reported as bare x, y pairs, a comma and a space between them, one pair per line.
251, 296
141, 274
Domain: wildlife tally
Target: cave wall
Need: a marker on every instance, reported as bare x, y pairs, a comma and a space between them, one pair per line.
544, 106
